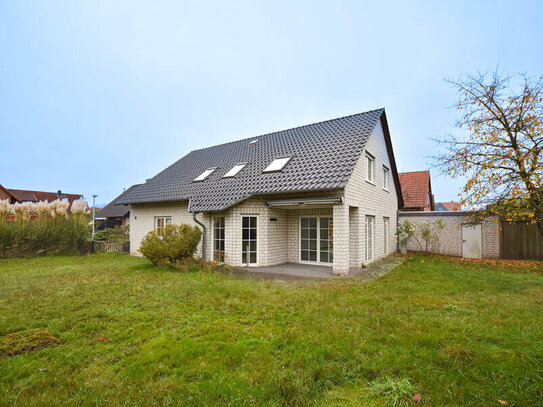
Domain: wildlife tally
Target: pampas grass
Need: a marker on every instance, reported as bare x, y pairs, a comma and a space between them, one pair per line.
28, 228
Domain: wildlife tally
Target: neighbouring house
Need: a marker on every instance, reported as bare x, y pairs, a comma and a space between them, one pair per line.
6, 194
417, 191
323, 194
115, 215
448, 206
23, 195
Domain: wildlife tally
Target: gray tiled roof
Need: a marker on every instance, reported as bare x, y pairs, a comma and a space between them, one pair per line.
323, 157
112, 210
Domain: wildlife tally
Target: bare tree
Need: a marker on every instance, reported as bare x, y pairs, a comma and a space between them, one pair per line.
500, 152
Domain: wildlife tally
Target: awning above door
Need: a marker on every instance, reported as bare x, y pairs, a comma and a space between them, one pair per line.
305, 202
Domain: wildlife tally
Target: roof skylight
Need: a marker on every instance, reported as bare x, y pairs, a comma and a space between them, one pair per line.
256, 140
277, 165
234, 170
205, 174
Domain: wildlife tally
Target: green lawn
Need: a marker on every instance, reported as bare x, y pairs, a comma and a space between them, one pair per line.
461, 334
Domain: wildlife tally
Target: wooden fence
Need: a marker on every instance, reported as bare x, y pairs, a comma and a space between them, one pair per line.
101, 247
520, 241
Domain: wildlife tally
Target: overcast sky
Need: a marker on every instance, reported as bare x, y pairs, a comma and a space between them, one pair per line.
96, 96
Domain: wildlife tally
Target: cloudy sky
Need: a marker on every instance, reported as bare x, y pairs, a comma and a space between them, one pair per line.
96, 96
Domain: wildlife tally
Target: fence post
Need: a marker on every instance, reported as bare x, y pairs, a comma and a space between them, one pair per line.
92, 246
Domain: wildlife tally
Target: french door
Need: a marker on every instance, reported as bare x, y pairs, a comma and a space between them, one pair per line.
249, 243
218, 239
316, 240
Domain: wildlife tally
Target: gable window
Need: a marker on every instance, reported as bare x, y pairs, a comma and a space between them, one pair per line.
160, 224
370, 167
234, 170
386, 173
205, 174
277, 165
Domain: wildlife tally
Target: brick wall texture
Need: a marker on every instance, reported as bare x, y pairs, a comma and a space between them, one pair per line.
450, 238
279, 239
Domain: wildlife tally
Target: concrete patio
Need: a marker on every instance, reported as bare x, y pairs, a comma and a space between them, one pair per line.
293, 271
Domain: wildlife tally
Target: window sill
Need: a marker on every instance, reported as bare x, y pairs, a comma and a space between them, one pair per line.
370, 182
386, 190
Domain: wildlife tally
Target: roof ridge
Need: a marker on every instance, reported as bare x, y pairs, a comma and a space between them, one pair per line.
291, 128
43, 192
413, 172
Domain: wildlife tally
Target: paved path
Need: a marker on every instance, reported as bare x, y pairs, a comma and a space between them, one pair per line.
294, 271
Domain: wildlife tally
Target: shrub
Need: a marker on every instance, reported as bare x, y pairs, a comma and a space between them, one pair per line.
427, 236
112, 235
174, 244
405, 233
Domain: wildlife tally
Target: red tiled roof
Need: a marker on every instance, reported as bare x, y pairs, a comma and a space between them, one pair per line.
415, 188
452, 206
38, 196
6, 194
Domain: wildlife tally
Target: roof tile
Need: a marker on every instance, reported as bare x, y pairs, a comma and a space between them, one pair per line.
323, 157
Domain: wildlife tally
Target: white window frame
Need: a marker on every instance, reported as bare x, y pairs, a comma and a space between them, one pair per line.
204, 175
319, 217
386, 233
386, 177
370, 168
235, 170
370, 254
213, 237
257, 240
277, 164
167, 221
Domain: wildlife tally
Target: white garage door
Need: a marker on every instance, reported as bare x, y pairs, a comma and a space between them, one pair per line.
471, 241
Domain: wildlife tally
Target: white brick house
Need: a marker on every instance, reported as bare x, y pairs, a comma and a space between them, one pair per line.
331, 199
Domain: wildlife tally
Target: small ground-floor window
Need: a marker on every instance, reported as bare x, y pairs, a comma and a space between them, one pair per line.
218, 238
370, 231
160, 224
249, 239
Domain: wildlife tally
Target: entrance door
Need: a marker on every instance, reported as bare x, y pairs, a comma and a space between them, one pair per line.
471, 241
316, 240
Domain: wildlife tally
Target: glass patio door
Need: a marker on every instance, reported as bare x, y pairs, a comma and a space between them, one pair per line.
249, 239
316, 239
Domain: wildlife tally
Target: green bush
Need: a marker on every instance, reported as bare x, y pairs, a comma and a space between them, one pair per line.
113, 235
43, 234
172, 245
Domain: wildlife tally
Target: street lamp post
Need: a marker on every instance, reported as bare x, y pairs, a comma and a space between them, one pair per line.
93, 214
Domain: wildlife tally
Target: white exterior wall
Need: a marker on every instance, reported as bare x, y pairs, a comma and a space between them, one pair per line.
278, 241
365, 198
142, 221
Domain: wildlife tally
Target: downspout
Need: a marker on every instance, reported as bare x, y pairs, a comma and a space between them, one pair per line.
397, 227
204, 230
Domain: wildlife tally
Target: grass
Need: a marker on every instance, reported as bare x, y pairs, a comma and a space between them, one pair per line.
127, 333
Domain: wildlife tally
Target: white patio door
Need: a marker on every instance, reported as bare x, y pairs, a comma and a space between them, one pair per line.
249, 240
316, 240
